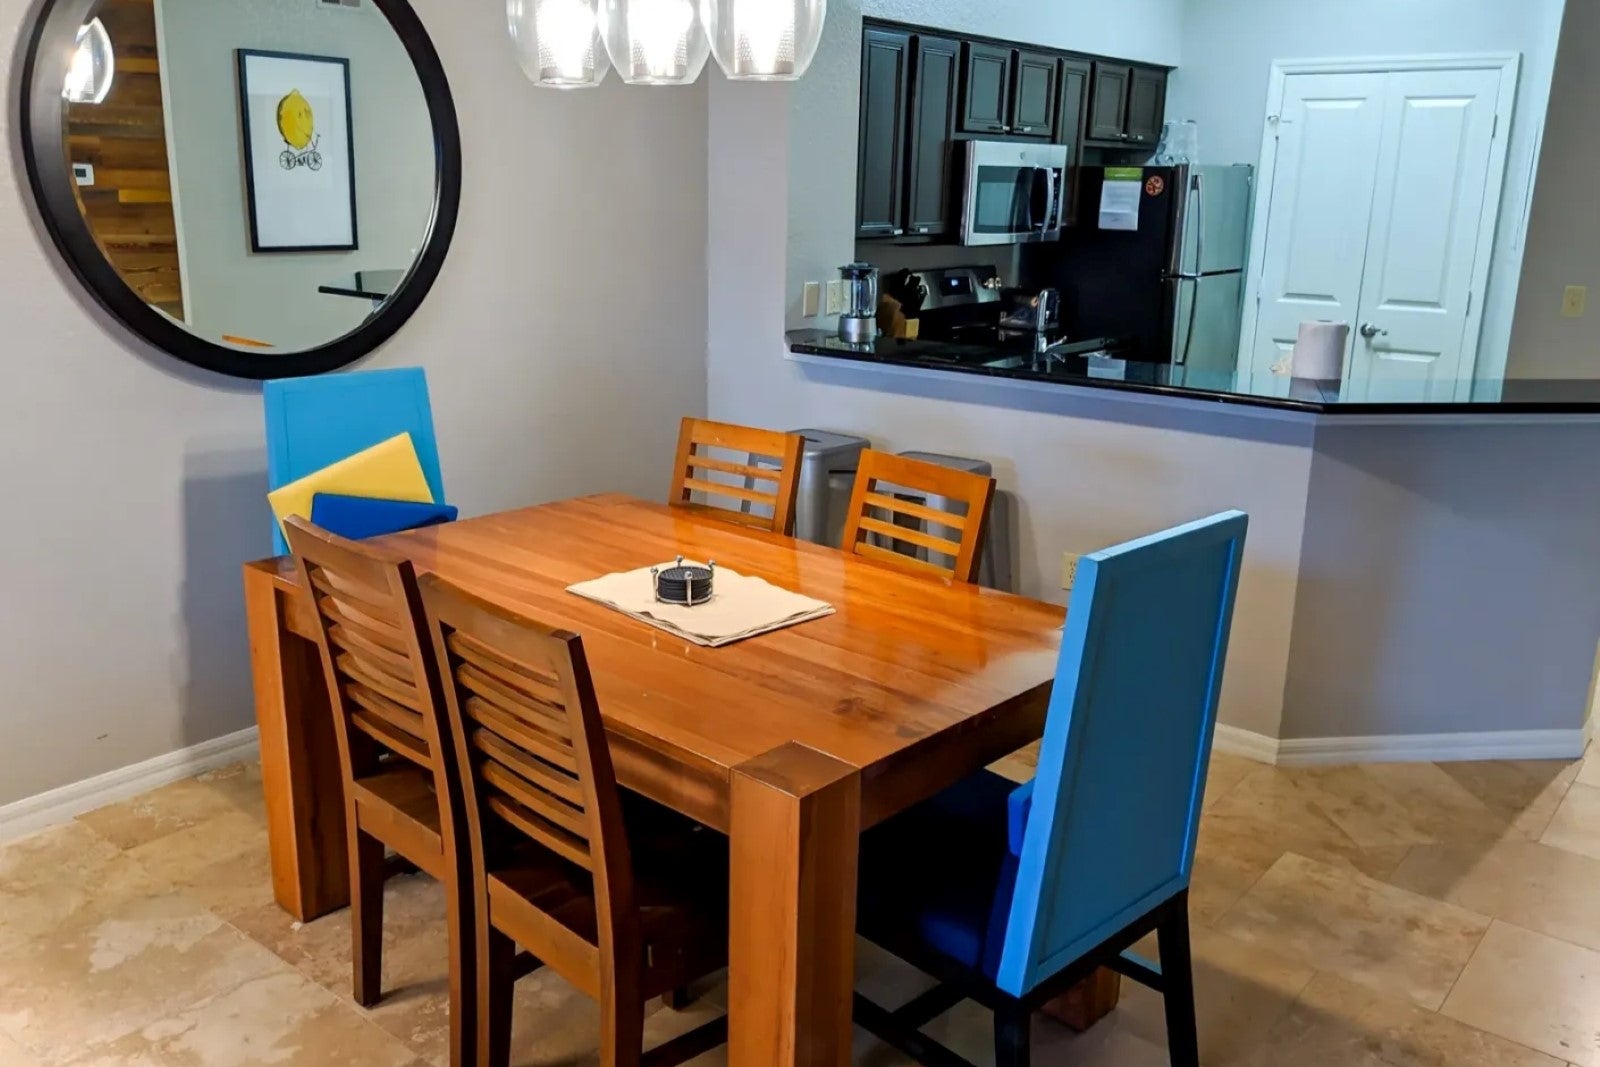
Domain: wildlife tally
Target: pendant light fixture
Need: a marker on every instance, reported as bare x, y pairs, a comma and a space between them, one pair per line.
654, 42
93, 66
764, 40
558, 42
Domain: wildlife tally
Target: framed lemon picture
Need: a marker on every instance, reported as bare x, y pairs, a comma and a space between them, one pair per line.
299, 154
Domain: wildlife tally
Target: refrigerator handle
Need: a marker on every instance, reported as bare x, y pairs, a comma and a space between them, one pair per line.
1199, 264
1194, 310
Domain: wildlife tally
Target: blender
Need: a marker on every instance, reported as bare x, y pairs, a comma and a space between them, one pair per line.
859, 323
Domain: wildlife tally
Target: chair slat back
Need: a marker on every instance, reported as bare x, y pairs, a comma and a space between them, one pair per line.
1116, 803
381, 676
732, 485
881, 515
312, 422
529, 742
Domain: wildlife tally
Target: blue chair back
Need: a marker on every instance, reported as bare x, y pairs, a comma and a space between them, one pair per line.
312, 422
1116, 803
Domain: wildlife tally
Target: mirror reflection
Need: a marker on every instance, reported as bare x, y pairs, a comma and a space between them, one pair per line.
1225, 195
260, 171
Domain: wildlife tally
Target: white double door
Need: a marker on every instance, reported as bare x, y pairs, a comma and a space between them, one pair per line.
1380, 212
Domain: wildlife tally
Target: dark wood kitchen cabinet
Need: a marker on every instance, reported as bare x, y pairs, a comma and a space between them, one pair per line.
1033, 105
880, 179
1127, 104
930, 170
1108, 102
1072, 107
1147, 105
986, 89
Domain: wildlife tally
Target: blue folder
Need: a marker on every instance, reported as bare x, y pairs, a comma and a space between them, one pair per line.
358, 517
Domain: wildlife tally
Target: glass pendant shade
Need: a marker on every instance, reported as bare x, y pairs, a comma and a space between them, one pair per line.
764, 40
654, 42
93, 66
558, 42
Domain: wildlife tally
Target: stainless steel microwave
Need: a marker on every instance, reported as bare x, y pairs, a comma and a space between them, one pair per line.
1013, 193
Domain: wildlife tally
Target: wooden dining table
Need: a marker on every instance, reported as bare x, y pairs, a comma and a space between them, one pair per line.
791, 743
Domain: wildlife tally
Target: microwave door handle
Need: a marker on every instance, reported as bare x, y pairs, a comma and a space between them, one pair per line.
1041, 184
1053, 180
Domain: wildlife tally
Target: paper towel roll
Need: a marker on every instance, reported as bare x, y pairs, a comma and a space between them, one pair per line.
1319, 353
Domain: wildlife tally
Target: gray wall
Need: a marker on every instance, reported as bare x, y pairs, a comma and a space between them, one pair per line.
134, 489
1564, 231
273, 297
1448, 582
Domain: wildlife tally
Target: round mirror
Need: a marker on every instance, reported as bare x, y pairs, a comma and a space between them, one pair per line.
265, 188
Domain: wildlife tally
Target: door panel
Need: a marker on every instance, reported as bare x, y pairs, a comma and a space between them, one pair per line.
933, 105
1034, 108
1206, 321
1071, 114
1147, 105
880, 180
1329, 131
1108, 104
1433, 174
1217, 218
986, 94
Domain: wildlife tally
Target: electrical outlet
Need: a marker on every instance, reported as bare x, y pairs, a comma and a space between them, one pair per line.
811, 301
1573, 301
1069, 571
836, 297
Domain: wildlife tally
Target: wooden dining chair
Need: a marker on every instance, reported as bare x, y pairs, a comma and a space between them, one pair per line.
384, 688
881, 519
622, 917
1012, 895
742, 488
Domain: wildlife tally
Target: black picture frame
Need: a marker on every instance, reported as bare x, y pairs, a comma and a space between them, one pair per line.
43, 143
242, 57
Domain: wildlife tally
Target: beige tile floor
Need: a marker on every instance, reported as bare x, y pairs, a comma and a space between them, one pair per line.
1373, 916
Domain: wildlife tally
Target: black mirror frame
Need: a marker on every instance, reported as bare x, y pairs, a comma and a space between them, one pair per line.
43, 136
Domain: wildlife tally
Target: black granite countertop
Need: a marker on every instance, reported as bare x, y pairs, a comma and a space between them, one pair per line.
1080, 366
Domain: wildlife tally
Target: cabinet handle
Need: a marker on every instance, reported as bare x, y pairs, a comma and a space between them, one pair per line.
897, 232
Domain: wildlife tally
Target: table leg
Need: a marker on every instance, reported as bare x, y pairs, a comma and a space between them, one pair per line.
796, 827
299, 759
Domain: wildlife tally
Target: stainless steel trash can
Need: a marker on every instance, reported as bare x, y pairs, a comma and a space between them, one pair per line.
996, 570
827, 456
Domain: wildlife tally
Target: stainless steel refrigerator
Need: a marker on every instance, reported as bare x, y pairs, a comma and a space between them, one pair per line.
1157, 261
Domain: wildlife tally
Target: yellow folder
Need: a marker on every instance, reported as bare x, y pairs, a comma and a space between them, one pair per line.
389, 470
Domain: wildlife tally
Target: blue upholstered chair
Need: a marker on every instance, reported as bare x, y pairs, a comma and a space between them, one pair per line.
1013, 894
312, 422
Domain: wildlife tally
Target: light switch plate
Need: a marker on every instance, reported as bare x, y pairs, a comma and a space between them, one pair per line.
811, 301
1574, 301
83, 173
836, 297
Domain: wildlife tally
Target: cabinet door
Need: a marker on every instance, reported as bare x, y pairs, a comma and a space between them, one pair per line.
1147, 105
936, 71
1072, 106
986, 89
1033, 108
1072, 113
880, 179
1108, 102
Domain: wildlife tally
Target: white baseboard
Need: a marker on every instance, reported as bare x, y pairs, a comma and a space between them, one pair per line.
1246, 743
57, 806
1436, 748
1405, 748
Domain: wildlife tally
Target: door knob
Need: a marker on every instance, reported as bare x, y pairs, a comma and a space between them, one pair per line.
1370, 330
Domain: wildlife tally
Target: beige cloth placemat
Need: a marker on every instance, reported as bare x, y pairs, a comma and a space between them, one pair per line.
740, 606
